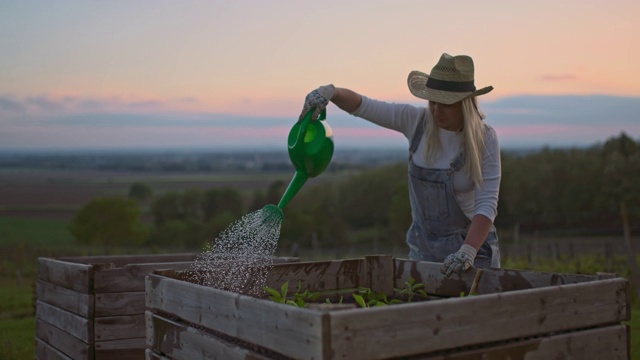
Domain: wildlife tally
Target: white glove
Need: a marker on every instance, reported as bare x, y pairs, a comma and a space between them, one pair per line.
459, 261
318, 99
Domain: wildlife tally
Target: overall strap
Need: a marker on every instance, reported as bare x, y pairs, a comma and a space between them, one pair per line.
417, 136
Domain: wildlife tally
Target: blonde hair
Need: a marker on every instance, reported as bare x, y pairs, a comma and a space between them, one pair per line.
473, 133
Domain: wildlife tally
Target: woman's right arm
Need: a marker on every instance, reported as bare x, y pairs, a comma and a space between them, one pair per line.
347, 100
399, 117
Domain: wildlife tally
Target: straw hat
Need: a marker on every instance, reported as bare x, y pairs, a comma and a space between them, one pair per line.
450, 81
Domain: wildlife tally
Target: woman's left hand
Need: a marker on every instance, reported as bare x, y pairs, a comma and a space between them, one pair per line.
318, 100
459, 261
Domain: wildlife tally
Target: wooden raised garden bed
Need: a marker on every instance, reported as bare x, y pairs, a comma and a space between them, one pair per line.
93, 307
515, 314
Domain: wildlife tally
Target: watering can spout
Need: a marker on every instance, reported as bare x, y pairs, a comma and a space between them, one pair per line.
299, 178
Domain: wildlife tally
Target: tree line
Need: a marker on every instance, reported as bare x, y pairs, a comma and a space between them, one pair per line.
593, 190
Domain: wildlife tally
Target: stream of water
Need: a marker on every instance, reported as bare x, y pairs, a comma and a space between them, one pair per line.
239, 259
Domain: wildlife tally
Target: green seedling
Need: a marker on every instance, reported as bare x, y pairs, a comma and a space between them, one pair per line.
300, 298
278, 296
411, 289
360, 301
365, 297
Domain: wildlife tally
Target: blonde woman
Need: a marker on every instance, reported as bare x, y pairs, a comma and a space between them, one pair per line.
454, 162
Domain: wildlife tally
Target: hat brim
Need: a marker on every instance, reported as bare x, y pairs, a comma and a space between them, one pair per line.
417, 82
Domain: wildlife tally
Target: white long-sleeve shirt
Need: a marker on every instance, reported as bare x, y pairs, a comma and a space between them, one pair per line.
404, 118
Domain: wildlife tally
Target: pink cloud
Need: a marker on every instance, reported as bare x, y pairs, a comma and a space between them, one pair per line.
518, 130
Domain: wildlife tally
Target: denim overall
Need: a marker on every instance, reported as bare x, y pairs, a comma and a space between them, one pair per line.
439, 226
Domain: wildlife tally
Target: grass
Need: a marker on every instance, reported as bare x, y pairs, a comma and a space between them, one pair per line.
634, 332
17, 319
35, 232
23, 240
16, 297
18, 338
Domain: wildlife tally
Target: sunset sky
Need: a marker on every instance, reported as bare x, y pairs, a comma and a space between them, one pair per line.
144, 74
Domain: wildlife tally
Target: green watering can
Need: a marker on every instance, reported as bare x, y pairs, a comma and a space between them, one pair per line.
310, 150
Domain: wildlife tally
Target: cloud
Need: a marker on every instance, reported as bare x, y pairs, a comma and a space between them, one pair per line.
43, 103
143, 120
52, 105
144, 104
521, 121
9, 104
189, 100
576, 110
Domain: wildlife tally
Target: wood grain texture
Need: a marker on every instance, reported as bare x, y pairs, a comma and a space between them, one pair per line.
69, 322
76, 302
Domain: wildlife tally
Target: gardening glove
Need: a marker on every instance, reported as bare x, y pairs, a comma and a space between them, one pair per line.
318, 99
459, 262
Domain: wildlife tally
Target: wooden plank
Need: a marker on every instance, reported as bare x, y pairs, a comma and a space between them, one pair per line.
63, 341
124, 349
285, 259
45, 351
493, 280
114, 304
75, 325
130, 278
78, 277
380, 273
179, 341
70, 300
119, 327
319, 275
609, 343
122, 344
403, 330
122, 260
293, 331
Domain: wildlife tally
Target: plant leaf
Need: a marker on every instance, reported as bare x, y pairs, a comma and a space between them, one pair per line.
360, 300
274, 294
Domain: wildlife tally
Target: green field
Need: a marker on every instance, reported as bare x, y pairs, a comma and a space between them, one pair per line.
17, 320
35, 232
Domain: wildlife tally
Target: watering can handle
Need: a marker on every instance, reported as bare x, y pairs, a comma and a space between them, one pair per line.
305, 124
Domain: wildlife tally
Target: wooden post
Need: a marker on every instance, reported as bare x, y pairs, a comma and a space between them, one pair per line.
380, 273
608, 254
571, 250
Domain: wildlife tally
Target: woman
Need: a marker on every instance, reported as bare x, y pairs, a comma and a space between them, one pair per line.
454, 162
